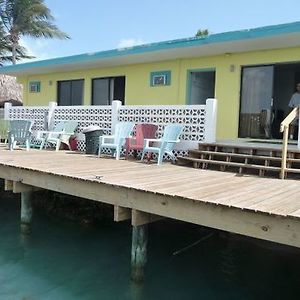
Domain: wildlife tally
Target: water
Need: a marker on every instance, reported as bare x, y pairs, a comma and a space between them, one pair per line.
63, 260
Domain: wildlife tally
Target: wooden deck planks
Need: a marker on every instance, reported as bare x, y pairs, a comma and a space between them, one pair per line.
206, 189
230, 197
295, 214
278, 202
271, 196
175, 183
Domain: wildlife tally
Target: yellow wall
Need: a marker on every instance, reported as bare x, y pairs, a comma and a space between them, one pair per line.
139, 91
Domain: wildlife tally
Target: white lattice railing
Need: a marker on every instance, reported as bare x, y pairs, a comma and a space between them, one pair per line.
86, 116
38, 114
191, 116
199, 120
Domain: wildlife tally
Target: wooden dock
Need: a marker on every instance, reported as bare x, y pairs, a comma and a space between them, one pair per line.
263, 208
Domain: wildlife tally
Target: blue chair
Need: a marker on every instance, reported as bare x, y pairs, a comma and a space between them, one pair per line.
166, 143
19, 132
117, 141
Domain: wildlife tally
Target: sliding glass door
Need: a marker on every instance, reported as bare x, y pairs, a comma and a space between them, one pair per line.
256, 102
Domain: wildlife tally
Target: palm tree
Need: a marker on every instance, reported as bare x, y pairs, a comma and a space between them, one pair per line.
27, 18
3, 45
2, 37
6, 49
201, 33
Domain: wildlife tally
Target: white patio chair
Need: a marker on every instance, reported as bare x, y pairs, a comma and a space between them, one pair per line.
58, 137
117, 141
19, 133
166, 143
42, 136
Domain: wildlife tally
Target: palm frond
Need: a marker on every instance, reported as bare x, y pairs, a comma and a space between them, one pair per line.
26, 18
43, 28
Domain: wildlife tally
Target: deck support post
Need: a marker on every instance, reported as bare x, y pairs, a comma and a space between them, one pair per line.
139, 252
26, 212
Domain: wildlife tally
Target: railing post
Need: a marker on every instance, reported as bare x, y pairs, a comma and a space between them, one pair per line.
298, 144
210, 120
284, 151
52, 106
284, 127
115, 108
7, 107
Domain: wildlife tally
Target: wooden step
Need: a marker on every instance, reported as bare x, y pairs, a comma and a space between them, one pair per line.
241, 155
244, 146
230, 164
262, 158
291, 170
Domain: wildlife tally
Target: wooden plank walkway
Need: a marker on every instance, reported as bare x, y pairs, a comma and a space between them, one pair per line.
260, 207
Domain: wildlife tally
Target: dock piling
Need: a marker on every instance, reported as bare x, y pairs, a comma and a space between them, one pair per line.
139, 252
26, 212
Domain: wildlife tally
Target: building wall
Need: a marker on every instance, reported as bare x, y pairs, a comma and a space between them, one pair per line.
138, 90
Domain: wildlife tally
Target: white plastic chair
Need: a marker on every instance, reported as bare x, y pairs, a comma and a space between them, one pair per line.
19, 132
56, 138
117, 141
42, 136
166, 143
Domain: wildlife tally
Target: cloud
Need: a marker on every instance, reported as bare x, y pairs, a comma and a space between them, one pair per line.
36, 48
125, 43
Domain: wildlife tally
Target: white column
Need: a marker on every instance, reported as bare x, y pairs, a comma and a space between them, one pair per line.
211, 120
7, 107
115, 107
52, 106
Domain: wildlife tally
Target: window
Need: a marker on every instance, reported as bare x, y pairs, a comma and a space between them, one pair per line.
70, 92
160, 78
105, 90
34, 86
201, 86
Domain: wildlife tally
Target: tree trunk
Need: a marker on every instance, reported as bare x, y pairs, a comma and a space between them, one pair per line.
14, 52
14, 45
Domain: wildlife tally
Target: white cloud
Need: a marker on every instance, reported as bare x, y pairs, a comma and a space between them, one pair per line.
36, 48
125, 43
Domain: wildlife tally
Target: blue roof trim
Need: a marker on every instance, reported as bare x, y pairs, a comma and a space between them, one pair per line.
261, 32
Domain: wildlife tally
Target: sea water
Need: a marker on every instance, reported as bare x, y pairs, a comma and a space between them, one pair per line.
62, 260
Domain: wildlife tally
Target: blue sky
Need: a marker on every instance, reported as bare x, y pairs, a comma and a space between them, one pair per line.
96, 25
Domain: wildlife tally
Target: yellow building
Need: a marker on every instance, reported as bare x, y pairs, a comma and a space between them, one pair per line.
252, 73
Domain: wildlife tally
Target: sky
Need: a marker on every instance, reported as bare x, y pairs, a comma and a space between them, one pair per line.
97, 25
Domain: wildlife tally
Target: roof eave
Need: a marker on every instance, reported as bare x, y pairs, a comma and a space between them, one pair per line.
271, 37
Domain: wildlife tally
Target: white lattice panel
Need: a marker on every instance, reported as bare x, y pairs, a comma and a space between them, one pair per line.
192, 117
86, 116
38, 114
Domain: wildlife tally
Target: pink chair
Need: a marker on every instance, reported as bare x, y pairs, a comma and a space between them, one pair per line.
143, 131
